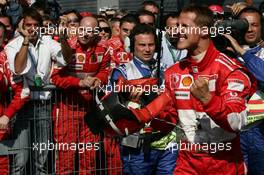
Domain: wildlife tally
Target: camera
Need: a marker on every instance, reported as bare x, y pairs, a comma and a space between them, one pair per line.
237, 28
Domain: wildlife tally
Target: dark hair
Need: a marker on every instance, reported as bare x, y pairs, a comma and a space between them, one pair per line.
66, 12
128, 18
171, 15
204, 16
38, 5
145, 12
47, 17
33, 13
249, 9
141, 29
113, 20
150, 3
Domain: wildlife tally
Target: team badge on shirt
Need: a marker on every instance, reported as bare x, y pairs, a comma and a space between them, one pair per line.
211, 81
100, 57
93, 59
174, 81
186, 81
80, 58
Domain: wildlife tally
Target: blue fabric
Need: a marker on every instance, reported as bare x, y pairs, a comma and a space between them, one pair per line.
159, 162
252, 145
143, 69
121, 70
254, 64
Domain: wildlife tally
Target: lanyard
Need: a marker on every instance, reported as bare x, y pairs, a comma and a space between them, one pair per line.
35, 63
171, 51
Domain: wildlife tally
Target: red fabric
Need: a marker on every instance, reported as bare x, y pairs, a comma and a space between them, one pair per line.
85, 14
153, 109
19, 98
229, 86
112, 155
196, 162
117, 52
70, 128
4, 160
218, 67
74, 104
216, 9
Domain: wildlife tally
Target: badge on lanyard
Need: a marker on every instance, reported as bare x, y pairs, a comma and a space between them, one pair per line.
38, 81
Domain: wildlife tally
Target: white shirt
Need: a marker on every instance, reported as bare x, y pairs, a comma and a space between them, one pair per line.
169, 54
39, 59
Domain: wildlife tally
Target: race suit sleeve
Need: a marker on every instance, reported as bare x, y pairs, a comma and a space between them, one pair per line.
228, 107
255, 65
103, 71
20, 90
61, 79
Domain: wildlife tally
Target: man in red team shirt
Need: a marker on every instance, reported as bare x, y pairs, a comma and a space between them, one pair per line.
21, 96
118, 45
209, 92
88, 69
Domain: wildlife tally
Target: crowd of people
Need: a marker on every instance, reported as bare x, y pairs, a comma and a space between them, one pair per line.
207, 118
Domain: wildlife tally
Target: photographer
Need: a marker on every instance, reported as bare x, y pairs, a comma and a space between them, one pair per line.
252, 54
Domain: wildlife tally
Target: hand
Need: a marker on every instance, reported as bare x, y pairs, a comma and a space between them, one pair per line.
91, 82
135, 94
63, 21
4, 120
200, 90
21, 29
235, 44
237, 7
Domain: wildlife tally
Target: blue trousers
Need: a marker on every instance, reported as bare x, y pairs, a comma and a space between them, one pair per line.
159, 162
252, 145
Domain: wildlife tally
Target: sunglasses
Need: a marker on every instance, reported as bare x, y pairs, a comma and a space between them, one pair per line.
75, 20
106, 29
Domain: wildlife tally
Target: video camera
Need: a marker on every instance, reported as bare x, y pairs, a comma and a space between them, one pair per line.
237, 28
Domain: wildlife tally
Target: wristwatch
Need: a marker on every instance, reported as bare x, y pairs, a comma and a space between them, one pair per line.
25, 44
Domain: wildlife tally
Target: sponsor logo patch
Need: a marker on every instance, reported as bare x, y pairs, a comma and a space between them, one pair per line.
80, 58
235, 85
186, 81
76, 67
182, 95
174, 81
211, 81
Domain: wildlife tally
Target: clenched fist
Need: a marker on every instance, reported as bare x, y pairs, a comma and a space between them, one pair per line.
200, 90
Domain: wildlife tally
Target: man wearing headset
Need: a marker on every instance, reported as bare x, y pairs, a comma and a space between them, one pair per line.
143, 44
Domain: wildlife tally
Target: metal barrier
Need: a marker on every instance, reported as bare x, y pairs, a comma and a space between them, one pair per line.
49, 136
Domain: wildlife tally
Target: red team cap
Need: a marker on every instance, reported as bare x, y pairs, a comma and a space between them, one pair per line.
85, 14
216, 9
